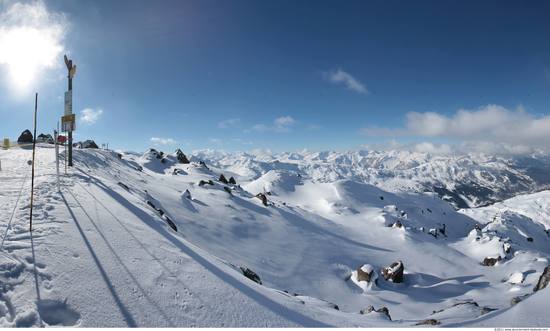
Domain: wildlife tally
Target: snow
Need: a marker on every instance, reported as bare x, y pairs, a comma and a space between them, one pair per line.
99, 255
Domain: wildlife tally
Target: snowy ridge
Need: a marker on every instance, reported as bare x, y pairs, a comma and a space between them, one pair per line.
103, 252
465, 180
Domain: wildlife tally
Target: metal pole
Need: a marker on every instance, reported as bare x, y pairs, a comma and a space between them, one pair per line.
33, 158
70, 132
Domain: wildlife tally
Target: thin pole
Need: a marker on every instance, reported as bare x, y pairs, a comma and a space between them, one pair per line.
33, 157
70, 132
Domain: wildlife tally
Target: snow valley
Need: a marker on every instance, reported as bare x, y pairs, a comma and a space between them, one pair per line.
292, 239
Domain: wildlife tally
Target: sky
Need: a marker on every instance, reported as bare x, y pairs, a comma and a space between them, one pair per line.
282, 75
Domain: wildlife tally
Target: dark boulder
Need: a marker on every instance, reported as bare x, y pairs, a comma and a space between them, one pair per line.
223, 179
232, 181
490, 261
429, 321
543, 280
365, 273
88, 144
367, 310
251, 275
370, 309
397, 224
262, 197
45, 138
209, 182
228, 190
203, 164
25, 137
394, 272
187, 194
529, 239
182, 158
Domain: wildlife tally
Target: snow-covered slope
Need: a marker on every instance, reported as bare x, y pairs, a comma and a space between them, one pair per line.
103, 251
465, 180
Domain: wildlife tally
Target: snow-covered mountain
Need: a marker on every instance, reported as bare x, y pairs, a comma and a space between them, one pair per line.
145, 240
468, 180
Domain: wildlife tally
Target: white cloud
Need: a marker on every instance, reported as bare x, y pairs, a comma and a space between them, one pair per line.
280, 124
339, 76
488, 125
90, 115
31, 40
229, 123
163, 141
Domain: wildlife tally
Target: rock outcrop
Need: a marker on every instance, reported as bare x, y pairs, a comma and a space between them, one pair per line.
543, 280
430, 321
383, 310
25, 137
490, 261
251, 275
394, 272
182, 158
262, 197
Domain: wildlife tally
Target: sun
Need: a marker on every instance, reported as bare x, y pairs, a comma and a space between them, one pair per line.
29, 44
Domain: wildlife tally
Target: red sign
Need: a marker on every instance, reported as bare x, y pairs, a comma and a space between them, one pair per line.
61, 139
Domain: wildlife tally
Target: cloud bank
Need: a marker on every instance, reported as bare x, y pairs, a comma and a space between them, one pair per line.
163, 141
281, 124
486, 126
90, 115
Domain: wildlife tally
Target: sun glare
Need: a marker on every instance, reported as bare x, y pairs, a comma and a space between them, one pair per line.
28, 47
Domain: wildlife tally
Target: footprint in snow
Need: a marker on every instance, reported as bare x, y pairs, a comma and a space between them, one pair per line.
58, 313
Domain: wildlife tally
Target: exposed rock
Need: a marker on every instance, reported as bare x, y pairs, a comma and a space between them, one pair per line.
543, 280
381, 198
223, 179
529, 239
515, 301
429, 321
397, 224
25, 137
370, 309
433, 232
87, 144
486, 310
203, 182
365, 273
203, 164
429, 210
124, 186
187, 194
232, 181
443, 230
394, 272
367, 310
251, 275
507, 247
45, 138
490, 261
262, 197
182, 158
119, 156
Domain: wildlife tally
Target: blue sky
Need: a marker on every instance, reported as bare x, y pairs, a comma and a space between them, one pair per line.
285, 75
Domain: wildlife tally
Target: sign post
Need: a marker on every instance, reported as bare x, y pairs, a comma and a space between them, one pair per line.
71, 68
